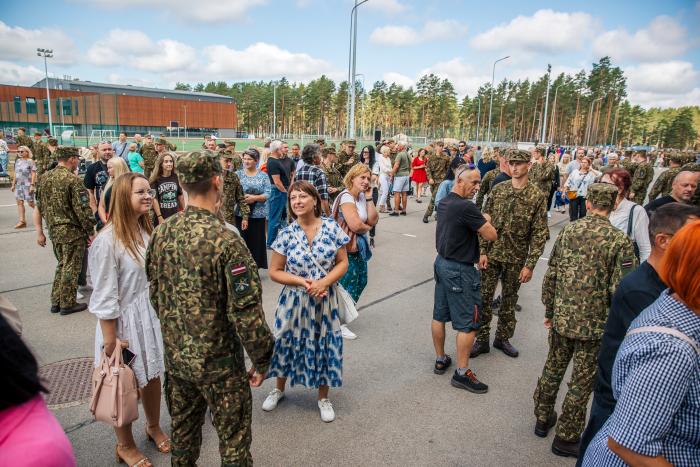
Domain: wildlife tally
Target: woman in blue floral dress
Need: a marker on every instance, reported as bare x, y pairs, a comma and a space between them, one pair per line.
308, 339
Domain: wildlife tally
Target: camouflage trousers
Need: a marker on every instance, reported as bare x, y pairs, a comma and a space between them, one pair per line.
229, 401
562, 350
65, 281
509, 274
433, 191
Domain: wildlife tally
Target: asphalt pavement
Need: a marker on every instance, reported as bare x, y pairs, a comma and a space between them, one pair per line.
391, 410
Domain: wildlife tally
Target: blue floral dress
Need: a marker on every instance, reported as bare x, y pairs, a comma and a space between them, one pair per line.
308, 340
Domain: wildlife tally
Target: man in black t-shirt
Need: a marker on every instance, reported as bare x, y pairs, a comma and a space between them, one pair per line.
682, 190
636, 291
457, 281
280, 170
96, 176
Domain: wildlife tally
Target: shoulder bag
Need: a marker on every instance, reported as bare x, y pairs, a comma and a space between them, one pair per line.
347, 310
573, 194
114, 390
670, 331
630, 222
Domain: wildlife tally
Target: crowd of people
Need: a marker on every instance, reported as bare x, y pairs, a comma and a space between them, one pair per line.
172, 246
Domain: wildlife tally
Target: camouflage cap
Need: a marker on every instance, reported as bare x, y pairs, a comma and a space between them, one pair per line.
64, 152
602, 195
197, 166
52, 142
677, 157
518, 155
328, 150
229, 142
225, 154
350, 142
161, 141
320, 141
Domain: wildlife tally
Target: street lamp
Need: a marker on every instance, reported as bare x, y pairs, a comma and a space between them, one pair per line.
554, 113
351, 68
47, 53
493, 75
546, 103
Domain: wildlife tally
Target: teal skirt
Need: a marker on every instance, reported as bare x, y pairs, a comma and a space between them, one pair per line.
355, 279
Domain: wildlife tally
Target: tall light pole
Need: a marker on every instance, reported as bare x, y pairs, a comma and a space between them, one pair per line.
274, 110
351, 69
493, 75
47, 53
546, 103
478, 121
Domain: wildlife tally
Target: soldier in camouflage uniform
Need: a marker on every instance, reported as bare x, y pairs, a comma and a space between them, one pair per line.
45, 157
518, 211
233, 193
628, 163
589, 258
150, 156
37, 143
542, 172
347, 157
22, 139
487, 181
168, 145
63, 201
236, 160
333, 176
662, 185
436, 169
205, 288
643, 175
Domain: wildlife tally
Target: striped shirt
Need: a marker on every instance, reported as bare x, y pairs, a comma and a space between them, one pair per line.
656, 381
314, 175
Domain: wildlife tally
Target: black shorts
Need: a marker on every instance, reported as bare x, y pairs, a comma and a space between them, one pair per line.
457, 294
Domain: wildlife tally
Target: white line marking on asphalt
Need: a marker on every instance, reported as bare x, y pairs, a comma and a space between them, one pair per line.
7, 205
409, 235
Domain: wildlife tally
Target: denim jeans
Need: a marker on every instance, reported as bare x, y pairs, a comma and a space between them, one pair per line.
4, 159
276, 205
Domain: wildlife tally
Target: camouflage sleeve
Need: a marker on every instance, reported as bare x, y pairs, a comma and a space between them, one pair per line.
639, 179
625, 262
429, 170
80, 201
540, 233
549, 282
240, 199
483, 190
151, 274
244, 307
657, 187
484, 245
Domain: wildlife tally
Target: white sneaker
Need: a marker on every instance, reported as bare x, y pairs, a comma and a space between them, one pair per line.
272, 400
347, 333
327, 412
549, 214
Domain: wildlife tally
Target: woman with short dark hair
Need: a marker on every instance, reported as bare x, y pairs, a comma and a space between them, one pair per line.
256, 187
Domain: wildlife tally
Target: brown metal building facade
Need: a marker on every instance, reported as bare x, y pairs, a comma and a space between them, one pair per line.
120, 110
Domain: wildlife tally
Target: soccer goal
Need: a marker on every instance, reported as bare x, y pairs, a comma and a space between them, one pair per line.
100, 135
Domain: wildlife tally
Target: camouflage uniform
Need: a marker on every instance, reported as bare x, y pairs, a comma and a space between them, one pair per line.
150, 156
589, 258
344, 157
643, 175
520, 218
485, 186
628, 164
436, 168
333, 175
233, 195
24, 140
542, 175
662, 185
205, 288
63, 201
45, 158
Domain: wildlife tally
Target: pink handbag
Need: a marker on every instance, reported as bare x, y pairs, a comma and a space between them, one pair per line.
114, 390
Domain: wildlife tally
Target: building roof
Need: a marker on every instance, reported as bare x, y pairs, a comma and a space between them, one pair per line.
129, 90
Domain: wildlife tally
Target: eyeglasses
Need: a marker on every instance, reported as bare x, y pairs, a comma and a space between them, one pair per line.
146, 193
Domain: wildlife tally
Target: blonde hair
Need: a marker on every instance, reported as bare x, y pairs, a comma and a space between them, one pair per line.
566, 158
355, 171
126, 224
31, 156
119, 168
386, 150
158, 168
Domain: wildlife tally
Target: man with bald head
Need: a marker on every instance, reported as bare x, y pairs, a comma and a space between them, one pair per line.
682, 190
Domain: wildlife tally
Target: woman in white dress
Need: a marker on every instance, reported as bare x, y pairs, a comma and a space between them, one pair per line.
121, 302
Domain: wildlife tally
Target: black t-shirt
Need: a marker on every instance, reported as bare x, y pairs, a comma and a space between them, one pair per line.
501, 177
658, 202
282, 167
96, 178
167, 191
458, 221
636, 291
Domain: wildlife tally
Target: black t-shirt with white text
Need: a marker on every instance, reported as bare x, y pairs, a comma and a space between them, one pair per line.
96, 177
167, 191
458, 221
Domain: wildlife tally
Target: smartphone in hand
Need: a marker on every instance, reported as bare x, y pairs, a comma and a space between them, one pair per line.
128, 356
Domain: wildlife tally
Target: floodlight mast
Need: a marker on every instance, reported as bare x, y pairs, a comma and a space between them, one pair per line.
47, 53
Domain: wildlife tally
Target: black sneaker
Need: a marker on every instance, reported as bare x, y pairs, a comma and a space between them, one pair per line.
403, 213
73, 309
542, 428
425, 219
441, 367
469, 382
55, 308
394, 213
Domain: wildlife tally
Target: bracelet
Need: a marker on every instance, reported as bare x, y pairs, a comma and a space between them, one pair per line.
159, 215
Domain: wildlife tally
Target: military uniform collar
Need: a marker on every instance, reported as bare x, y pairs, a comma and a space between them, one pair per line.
199, 212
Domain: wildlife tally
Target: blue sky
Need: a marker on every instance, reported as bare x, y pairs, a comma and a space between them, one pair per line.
159, 42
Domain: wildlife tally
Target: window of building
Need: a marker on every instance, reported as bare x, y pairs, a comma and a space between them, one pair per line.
46, 106
76, 106
30, 104
18, 105
67, 107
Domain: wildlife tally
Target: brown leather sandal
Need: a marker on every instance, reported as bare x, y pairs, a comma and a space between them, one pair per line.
163, 446
143, 462
20, 225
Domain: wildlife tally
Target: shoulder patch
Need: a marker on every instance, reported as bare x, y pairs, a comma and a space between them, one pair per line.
240, 278
83, 194
627, 264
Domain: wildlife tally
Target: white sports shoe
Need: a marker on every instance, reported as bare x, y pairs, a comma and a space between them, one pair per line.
326, 408
347, 333
272, 400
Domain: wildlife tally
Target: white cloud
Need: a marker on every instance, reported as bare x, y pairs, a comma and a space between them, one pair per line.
17, 43
668, 84
261, 60
465, 77
398, 78
547, 31
406, 35
664, 38
134, 49
12, 73
207, 11
115, 78
387, 6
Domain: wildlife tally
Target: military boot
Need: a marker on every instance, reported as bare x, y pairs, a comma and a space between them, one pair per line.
565, 448
73, 309
542, 428
506, 347
479, 347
